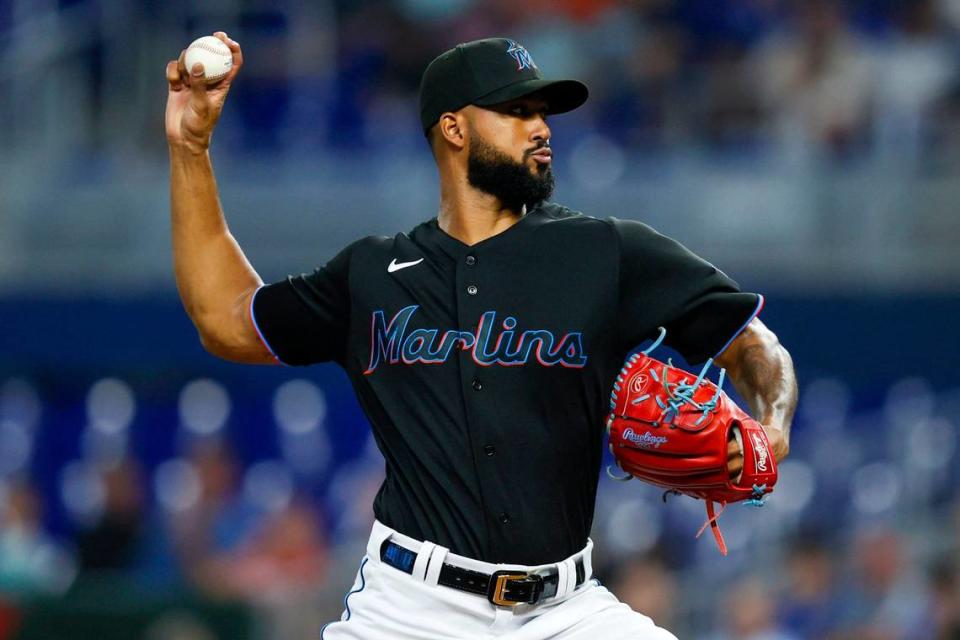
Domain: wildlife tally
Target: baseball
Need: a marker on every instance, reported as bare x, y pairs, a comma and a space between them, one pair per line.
213, 54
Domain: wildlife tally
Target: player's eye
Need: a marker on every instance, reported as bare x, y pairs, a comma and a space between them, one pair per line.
518, 110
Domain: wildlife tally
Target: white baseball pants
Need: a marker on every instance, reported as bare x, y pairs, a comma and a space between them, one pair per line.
388, 604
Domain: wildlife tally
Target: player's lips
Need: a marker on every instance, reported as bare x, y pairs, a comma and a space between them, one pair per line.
543, 156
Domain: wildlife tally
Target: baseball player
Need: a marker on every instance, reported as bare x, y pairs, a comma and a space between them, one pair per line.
482, 346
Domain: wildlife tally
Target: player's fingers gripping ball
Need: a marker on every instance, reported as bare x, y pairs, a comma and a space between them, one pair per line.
213, 54
671, 428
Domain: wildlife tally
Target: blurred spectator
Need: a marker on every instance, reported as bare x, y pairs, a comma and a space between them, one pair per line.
945, 125
817, 79
577, 10
945, 600
113, 541
951, 12
887, 600
9, 620
30, 561
178, 626
732, 114
218, 524
635, 93
282, 570
285, 557
917, 69
747, 613
808, 604
231, 549
378, 70
265, 90
648, 587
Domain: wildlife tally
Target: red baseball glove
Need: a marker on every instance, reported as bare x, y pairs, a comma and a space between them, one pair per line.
671, 428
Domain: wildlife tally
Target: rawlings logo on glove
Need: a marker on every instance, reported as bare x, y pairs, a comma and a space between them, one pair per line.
672, 428
645, 440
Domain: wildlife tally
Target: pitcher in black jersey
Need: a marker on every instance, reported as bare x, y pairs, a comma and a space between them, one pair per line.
482, 345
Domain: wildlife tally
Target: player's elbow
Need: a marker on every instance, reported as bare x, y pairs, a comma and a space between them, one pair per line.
227, 332
214, 338
213, 343
240, 347
219, 334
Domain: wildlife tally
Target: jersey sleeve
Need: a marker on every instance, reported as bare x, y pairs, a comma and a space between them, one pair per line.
662, 283
305, 319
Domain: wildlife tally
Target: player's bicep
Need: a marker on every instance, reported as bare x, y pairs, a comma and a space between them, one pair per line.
755, 335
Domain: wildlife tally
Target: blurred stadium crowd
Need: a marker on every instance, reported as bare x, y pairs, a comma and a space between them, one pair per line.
247, 501
189, 505
731, 75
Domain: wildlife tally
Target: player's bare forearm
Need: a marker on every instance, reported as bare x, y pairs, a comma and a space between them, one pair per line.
214, 278
762, 373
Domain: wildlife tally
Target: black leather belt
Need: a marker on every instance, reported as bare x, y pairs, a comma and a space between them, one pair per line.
504, 588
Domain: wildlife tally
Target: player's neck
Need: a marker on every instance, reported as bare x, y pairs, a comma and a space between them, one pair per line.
472, 216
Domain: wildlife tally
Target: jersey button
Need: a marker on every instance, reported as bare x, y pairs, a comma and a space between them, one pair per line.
489, 450
476, 384
503, 518
471, 260
472, 290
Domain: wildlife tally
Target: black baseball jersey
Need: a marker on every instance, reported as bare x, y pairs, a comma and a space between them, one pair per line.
486, 370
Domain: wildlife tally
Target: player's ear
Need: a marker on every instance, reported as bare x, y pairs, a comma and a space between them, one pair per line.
451, 128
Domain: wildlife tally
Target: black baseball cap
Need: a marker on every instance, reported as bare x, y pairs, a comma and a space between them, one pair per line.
488, 72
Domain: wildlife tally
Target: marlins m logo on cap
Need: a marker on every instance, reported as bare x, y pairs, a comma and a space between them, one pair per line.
521, 55
478, 73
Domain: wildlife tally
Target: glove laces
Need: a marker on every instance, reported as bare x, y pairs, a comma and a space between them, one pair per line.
755, 500
681, 393
678, 393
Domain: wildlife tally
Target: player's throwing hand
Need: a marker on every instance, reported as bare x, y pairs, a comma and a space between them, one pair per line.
193, 107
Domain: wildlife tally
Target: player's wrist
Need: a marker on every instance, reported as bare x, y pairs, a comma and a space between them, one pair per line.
188, 148
778, 438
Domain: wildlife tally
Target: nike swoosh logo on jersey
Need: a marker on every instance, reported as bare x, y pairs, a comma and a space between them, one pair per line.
396, 266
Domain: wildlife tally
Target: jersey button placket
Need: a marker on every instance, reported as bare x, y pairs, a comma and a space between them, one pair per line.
476, 380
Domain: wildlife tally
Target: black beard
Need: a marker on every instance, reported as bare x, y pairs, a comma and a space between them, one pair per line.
513, 183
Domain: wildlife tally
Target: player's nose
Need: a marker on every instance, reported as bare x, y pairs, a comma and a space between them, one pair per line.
541, 130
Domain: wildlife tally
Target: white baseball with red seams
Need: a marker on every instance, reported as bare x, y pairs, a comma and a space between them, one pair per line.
213, 54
